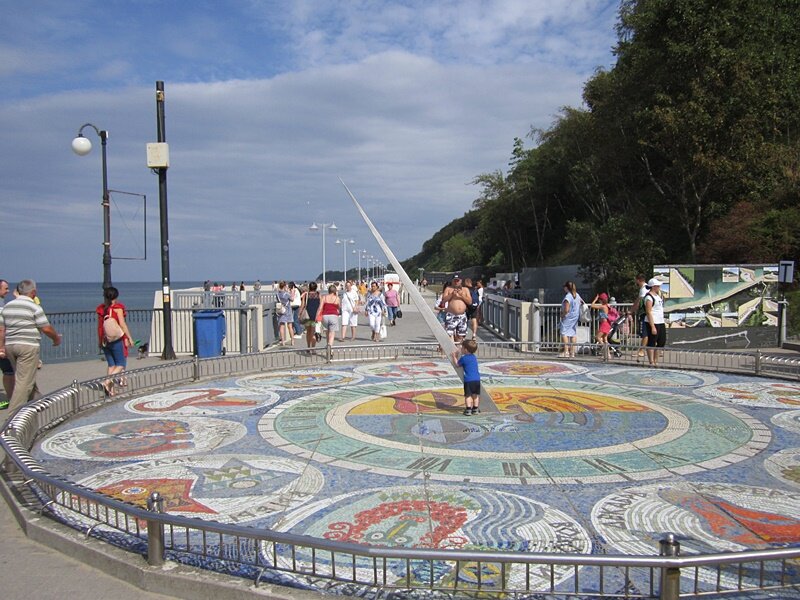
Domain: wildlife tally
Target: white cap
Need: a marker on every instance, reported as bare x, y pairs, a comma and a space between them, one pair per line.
653, 282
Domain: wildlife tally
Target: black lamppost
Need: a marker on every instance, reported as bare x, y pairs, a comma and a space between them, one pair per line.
158, 160
82, 146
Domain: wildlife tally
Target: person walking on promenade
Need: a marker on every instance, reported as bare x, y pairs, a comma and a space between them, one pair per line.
458, 299
475, 313
637, 309
392, 304
570, 311
286, 319
329, 313
115, 351
22, 322
440, 306
472, 377
257, 286
375, 308
351, 305
310, 306
294, 293
5, 364
657, 329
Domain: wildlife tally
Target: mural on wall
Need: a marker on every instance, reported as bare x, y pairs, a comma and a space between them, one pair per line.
741, 296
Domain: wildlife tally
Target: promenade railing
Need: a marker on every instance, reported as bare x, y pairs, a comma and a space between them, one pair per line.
256, 552
248, 328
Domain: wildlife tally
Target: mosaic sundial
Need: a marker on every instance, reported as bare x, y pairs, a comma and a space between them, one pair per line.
544, 432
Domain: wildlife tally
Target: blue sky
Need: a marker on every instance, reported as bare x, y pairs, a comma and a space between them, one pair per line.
267, 104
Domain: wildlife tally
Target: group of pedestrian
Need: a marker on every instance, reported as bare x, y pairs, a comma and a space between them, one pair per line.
303, 310
648, 311
22, 323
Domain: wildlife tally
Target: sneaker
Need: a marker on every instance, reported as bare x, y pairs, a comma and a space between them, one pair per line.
298, 336
475, 410
467, 411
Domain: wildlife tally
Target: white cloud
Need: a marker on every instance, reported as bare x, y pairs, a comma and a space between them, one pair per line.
384, 100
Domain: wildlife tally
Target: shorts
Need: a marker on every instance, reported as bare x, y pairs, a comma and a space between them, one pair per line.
644, 330
659, 339
455, 325
349, 318
330, 322
472, 388
6, 367
115, 353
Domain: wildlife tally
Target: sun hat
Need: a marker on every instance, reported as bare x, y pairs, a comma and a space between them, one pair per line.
653, 282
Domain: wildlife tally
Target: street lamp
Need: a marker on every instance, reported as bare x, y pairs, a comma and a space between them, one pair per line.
323, 226
82, 146
344, 243
361, 253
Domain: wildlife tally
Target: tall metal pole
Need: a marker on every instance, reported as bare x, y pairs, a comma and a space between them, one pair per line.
169, 352
106, 215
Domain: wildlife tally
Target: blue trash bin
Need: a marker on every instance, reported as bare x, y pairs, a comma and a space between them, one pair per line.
209, 331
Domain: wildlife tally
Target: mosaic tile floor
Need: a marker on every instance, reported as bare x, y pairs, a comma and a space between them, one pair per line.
575, 459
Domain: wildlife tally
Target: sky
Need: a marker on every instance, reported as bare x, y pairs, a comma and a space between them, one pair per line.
267, 104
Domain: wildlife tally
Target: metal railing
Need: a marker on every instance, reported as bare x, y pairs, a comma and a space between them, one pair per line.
260, 552
247, 327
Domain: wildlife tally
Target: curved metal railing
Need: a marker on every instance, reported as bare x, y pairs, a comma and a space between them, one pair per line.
260, 553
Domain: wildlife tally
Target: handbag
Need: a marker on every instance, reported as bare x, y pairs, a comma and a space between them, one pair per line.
111, 329
304, 315
384, 333
585, 314
280, 309
398, 313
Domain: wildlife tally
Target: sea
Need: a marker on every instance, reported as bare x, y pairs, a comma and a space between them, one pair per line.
60, 297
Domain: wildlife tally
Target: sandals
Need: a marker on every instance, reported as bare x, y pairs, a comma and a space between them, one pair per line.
467, 411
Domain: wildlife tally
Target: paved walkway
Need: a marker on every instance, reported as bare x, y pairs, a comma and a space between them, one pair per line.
542, 454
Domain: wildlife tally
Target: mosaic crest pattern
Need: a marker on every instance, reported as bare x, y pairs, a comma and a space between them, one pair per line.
541, 434
144, 438
767, 394
531, 368
423, 369
228, 488
203, 401
707, 517
789, 420
441, 518
652, 378
785, 465
299, 380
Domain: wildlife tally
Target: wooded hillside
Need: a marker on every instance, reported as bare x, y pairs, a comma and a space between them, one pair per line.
687, 150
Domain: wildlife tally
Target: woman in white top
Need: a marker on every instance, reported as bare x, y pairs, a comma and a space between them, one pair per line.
375, 309
350, 309
656, 328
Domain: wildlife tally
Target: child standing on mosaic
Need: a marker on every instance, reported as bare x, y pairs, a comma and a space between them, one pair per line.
472, 377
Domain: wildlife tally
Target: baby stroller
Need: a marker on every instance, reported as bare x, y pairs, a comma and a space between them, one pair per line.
615, 335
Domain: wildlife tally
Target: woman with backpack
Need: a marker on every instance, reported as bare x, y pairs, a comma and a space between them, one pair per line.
114, 336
